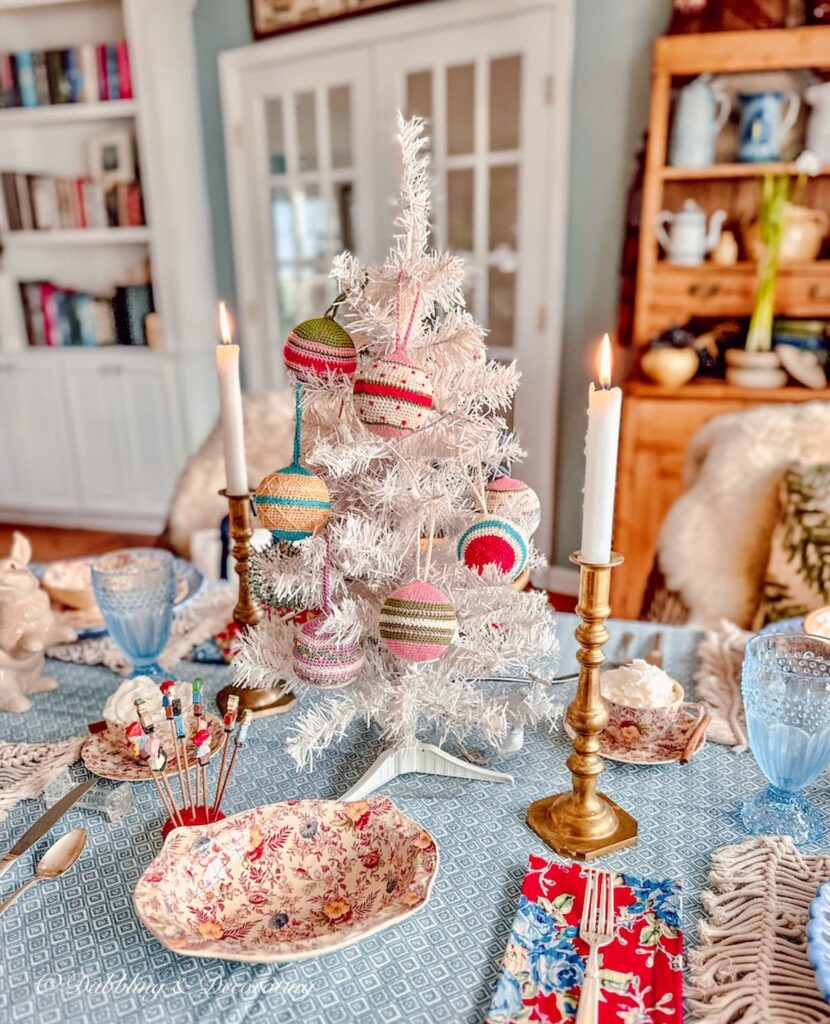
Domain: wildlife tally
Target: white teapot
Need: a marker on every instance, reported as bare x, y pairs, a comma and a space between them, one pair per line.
689, 238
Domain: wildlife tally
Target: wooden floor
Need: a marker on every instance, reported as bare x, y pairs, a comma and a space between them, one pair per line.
49, 542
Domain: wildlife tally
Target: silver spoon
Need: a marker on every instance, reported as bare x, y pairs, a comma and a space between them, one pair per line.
60, 857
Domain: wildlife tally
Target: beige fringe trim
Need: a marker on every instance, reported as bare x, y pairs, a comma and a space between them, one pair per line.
718, 684
750, 965
25, 768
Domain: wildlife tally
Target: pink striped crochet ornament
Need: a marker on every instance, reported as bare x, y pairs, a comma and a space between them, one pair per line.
417, 622
320, 346
494, 541
293, 503
512, 499
322, 661
393, 396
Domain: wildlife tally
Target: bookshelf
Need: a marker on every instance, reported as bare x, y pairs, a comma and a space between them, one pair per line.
108, 426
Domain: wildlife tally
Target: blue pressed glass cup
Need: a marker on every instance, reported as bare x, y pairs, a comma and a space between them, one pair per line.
786, 692
135, 590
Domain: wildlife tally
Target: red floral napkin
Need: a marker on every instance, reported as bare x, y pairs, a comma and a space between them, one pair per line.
640, 971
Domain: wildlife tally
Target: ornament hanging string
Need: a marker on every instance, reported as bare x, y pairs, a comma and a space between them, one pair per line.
402, 340
298, 416
429, 551
327, 579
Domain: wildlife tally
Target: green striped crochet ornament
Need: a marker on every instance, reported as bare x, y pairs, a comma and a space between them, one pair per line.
320, 346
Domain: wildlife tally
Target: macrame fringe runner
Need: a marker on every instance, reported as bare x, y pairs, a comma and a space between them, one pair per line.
718, 684
25, 768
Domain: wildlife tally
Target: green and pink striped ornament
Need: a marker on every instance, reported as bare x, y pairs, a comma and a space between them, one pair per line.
417, 622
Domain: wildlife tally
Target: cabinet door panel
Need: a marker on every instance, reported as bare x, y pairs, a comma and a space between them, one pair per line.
154, 437
97, 409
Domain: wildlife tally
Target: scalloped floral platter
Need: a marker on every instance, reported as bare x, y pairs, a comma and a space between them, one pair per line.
287, 881
108, 759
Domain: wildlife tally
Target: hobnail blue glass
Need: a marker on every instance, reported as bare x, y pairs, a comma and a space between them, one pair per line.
786, 692
134, 591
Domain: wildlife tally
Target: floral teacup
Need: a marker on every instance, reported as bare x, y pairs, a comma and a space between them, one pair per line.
632, 726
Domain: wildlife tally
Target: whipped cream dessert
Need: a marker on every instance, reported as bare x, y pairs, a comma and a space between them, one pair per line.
119, 709
639, 685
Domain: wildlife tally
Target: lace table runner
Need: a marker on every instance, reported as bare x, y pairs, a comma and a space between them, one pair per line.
191, 626
750, 965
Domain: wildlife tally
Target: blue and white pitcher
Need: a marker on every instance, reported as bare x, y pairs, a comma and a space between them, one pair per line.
764, 124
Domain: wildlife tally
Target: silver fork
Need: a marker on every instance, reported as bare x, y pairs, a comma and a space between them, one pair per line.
596, 930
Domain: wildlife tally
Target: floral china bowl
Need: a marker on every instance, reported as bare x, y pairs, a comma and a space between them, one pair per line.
631, 726
287, 881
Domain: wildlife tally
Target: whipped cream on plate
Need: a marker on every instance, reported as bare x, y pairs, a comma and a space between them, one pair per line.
639, 685
119, 709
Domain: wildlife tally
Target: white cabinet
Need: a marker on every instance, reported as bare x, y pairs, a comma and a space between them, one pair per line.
125, 425
37, 461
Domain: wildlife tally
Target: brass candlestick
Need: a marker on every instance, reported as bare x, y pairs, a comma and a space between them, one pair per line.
584, 824
247, 612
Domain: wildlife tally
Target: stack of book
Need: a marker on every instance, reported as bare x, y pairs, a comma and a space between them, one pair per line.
79, 74
62, 316
36, 202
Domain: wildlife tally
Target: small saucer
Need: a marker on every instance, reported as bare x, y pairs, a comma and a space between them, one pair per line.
103, 758
662, 751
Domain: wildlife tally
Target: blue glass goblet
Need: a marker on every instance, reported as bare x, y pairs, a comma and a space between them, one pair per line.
134, 590
786, 691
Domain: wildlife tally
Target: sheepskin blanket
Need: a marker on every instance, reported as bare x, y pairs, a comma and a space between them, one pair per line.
269, 440
714, 543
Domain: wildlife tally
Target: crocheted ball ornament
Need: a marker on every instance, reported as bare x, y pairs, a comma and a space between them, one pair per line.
417, 622
493, 541
319, 346
293, 503
511, 499
323, 662
392, 396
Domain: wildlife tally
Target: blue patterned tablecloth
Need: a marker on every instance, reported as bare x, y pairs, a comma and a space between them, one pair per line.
73, 950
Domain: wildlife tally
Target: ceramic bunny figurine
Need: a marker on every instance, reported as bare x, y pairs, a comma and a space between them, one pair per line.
27, 627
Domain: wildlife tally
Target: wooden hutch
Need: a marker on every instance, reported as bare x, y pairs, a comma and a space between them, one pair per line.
658, 421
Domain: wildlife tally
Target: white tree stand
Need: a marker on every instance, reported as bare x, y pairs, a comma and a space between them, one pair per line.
425, 758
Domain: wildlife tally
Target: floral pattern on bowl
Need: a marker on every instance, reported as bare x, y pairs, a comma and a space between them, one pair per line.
110, 759
287, 881
662, 750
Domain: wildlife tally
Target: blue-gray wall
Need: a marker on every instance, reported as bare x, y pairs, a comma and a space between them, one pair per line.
609, 114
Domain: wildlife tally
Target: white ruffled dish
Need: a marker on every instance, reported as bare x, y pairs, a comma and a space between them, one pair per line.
287, 881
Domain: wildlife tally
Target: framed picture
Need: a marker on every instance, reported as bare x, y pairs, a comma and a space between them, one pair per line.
110, 157
273, 17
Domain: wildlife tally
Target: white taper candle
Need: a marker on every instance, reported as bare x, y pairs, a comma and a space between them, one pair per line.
230, 409
601, 447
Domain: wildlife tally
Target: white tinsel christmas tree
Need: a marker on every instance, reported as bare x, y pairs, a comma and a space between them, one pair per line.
406, 480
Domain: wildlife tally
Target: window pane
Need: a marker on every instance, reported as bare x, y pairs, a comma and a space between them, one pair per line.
282, 225
298, 224
460, 210
340, 125
306, 131
301, 292
419, 94
504, 196
502, 305
460, 107
505, 86
274, 134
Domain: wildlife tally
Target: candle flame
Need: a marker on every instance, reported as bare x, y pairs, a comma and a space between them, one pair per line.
605, 362
225, 324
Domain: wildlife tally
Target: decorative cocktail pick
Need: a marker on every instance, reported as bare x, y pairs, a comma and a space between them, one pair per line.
201, 741
239, 741
228, 722
168, 688
135, 738
181, 746
157, 760
197, 697
145, 720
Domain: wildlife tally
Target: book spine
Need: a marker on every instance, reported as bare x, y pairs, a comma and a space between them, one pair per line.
112, 72
104, 322
51, 329
44, 200
10, 199
24, 202
26, 78
54, 76
88, 74
101, 60
71, 74
85, 309
80, 205
135, 210
41, 78
8, 90
125, 80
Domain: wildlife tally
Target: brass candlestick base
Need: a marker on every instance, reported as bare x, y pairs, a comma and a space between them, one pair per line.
247, 612
585, 824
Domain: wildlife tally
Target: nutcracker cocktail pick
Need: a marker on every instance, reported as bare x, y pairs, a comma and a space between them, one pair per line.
135, 737
239, 741
228, 722
168, 688
157, 761
201, 741
180, 741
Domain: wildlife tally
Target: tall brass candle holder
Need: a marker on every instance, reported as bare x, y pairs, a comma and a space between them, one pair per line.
584, 824
247, 612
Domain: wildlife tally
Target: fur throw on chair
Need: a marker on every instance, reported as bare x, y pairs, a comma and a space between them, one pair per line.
714, 543
269, 440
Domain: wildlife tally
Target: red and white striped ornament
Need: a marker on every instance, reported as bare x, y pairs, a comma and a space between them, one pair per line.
512, 499
393, 396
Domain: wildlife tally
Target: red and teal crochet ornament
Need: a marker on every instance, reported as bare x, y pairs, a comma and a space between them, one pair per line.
393, 396
512, 499
321, 660
417, 622
494, 541
293, 503
320, 346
